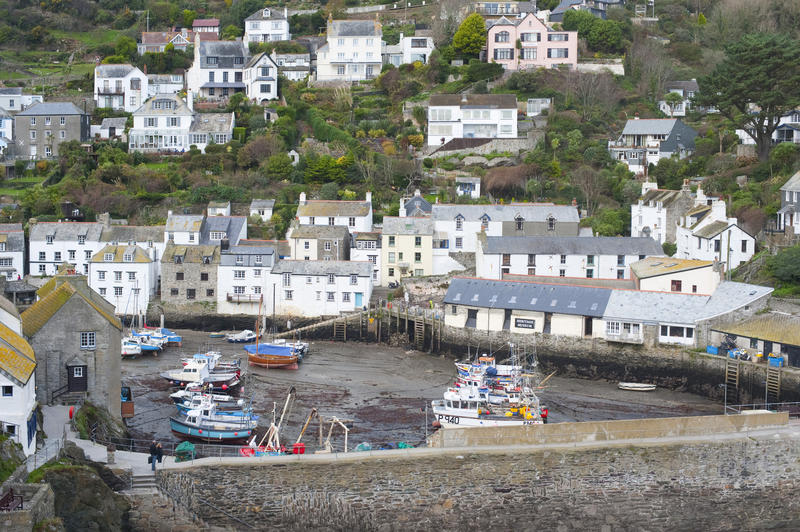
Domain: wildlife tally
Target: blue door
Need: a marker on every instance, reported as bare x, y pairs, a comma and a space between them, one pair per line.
359, 297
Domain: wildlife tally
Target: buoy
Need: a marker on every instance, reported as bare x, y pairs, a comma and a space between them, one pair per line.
235, 433
224, 386
71, 411
200, 431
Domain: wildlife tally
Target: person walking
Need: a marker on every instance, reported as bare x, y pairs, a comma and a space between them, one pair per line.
153, 455
159, 452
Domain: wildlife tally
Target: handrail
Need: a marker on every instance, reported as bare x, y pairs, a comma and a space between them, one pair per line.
58, 392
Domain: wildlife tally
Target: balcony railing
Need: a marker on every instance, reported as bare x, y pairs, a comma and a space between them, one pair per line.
243, 298
626, 338
110, 91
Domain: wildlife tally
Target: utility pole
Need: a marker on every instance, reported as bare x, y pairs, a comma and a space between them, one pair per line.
148, 20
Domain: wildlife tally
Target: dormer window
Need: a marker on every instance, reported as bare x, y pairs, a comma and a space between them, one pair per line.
178, 259
211, 60
551, 223
217, 235
206, 260
108, 257
484, 222
191, 237
518, 222
49, 239
127, 257
459, 222
81, 239
239, 259
267, 13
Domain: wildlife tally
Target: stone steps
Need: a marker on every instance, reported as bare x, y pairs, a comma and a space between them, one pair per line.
142, 481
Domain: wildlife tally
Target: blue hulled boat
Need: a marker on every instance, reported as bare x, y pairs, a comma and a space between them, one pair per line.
211, 426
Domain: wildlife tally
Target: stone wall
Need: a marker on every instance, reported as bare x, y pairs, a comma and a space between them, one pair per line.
744, 485
38, 504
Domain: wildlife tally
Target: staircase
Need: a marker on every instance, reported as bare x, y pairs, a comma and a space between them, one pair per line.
773, 384
144, 482
732, 380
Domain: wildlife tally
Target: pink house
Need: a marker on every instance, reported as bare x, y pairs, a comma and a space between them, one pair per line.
539, 46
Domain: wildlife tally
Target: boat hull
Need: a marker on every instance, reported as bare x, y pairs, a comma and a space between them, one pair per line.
458, 420
210, 434
636, 387
273, 361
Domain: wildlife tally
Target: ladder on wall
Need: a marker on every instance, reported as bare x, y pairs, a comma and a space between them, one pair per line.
773, 384
732, 381
340, 331
419, 334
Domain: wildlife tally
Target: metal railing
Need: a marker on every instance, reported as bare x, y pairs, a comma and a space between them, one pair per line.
201, 450
792, 408
50, 451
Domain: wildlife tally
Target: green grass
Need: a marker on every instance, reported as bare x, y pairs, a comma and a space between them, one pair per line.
15, 187
89, 38
157, 166
37, 475
5, 74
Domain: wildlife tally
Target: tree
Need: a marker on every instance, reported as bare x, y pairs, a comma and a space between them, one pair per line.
125, 47
760, 70
670, 248
673, 99
230, 32
278, 167
588, 181
785, 266
580, 21
605, 36
471, 35
188, 17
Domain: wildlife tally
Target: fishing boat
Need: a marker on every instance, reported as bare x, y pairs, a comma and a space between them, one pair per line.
243, 337
225, 409
636, 387
223, 401
216, 364
196, 372
171, 338
272, 355
208, 425
131, 347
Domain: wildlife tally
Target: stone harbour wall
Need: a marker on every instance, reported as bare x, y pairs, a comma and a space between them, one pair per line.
730, 485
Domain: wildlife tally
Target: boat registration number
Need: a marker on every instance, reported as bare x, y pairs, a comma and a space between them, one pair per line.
449, 419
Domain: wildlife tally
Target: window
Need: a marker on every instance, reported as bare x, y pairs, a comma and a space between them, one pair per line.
417, 241
191, 237
42, 256
327, 246
558, 37
340, 70
716, 245
211, 61
501, 36
151, 122
127, 257
589, 260
551, 223
354, 279
530, 37
33, 120
744, 246
557, 53
391, 241
287, 295
77, 372
694, 288
620, 274
239, 290
62, 134
391, 257
351, 221
753, 345
179, 276
87, 340
190, 293
563, 259
8, 391
459, 242
239, 259
131, 276
331, 278
319, 295
331, 220
612, 328
204, 276
117, 276
331, 296
518, 223
57, 256
210, 292
103, 292
503, 53
257, 272
257, 290
265, 88
42, 268
101, 276
675, 286
117, 290
70, 254
562, 273
417, 257
287, 279
345, 297
173, 291
506, 259
173, 121
238, 274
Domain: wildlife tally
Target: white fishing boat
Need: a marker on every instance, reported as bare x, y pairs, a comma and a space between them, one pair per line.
636, 387
241, 337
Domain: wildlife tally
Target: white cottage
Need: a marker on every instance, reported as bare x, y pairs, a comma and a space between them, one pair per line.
120, 87
267, 25
320, 288
468, 116
352, 51
355, 215
125, 276
17, 381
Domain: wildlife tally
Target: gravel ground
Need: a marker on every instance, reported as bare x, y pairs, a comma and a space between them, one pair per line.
382, 390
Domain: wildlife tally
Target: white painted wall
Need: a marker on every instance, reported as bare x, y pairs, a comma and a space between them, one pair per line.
310, 294
452, 122
128, 302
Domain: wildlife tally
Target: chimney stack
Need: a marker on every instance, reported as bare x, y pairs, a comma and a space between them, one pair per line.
302, 200
368, 197
190, 100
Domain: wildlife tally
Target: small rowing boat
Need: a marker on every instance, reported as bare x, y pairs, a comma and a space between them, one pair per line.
217, 335
636, 387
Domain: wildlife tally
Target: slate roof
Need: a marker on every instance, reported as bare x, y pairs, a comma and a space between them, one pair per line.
321, 231
190, 254
132, 233
464, 179
219, 204
262, 204
772, 327
184, 222
417, 203
323, 267
555, 298
666, 197
274, 14
17, 360
13, 236
394, 225
690, 85
650, 126
712, 229
224, 51
138, 255
530, 212
179, 107
729, 293
11, 91
212, 122
793, 183
51, 108
333, 208
248, 255
354, 28
113, 71
655, 266
38, 314
573, 245
231, 225
654, 307
66, 231
482, 101
281, 247
117, 123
